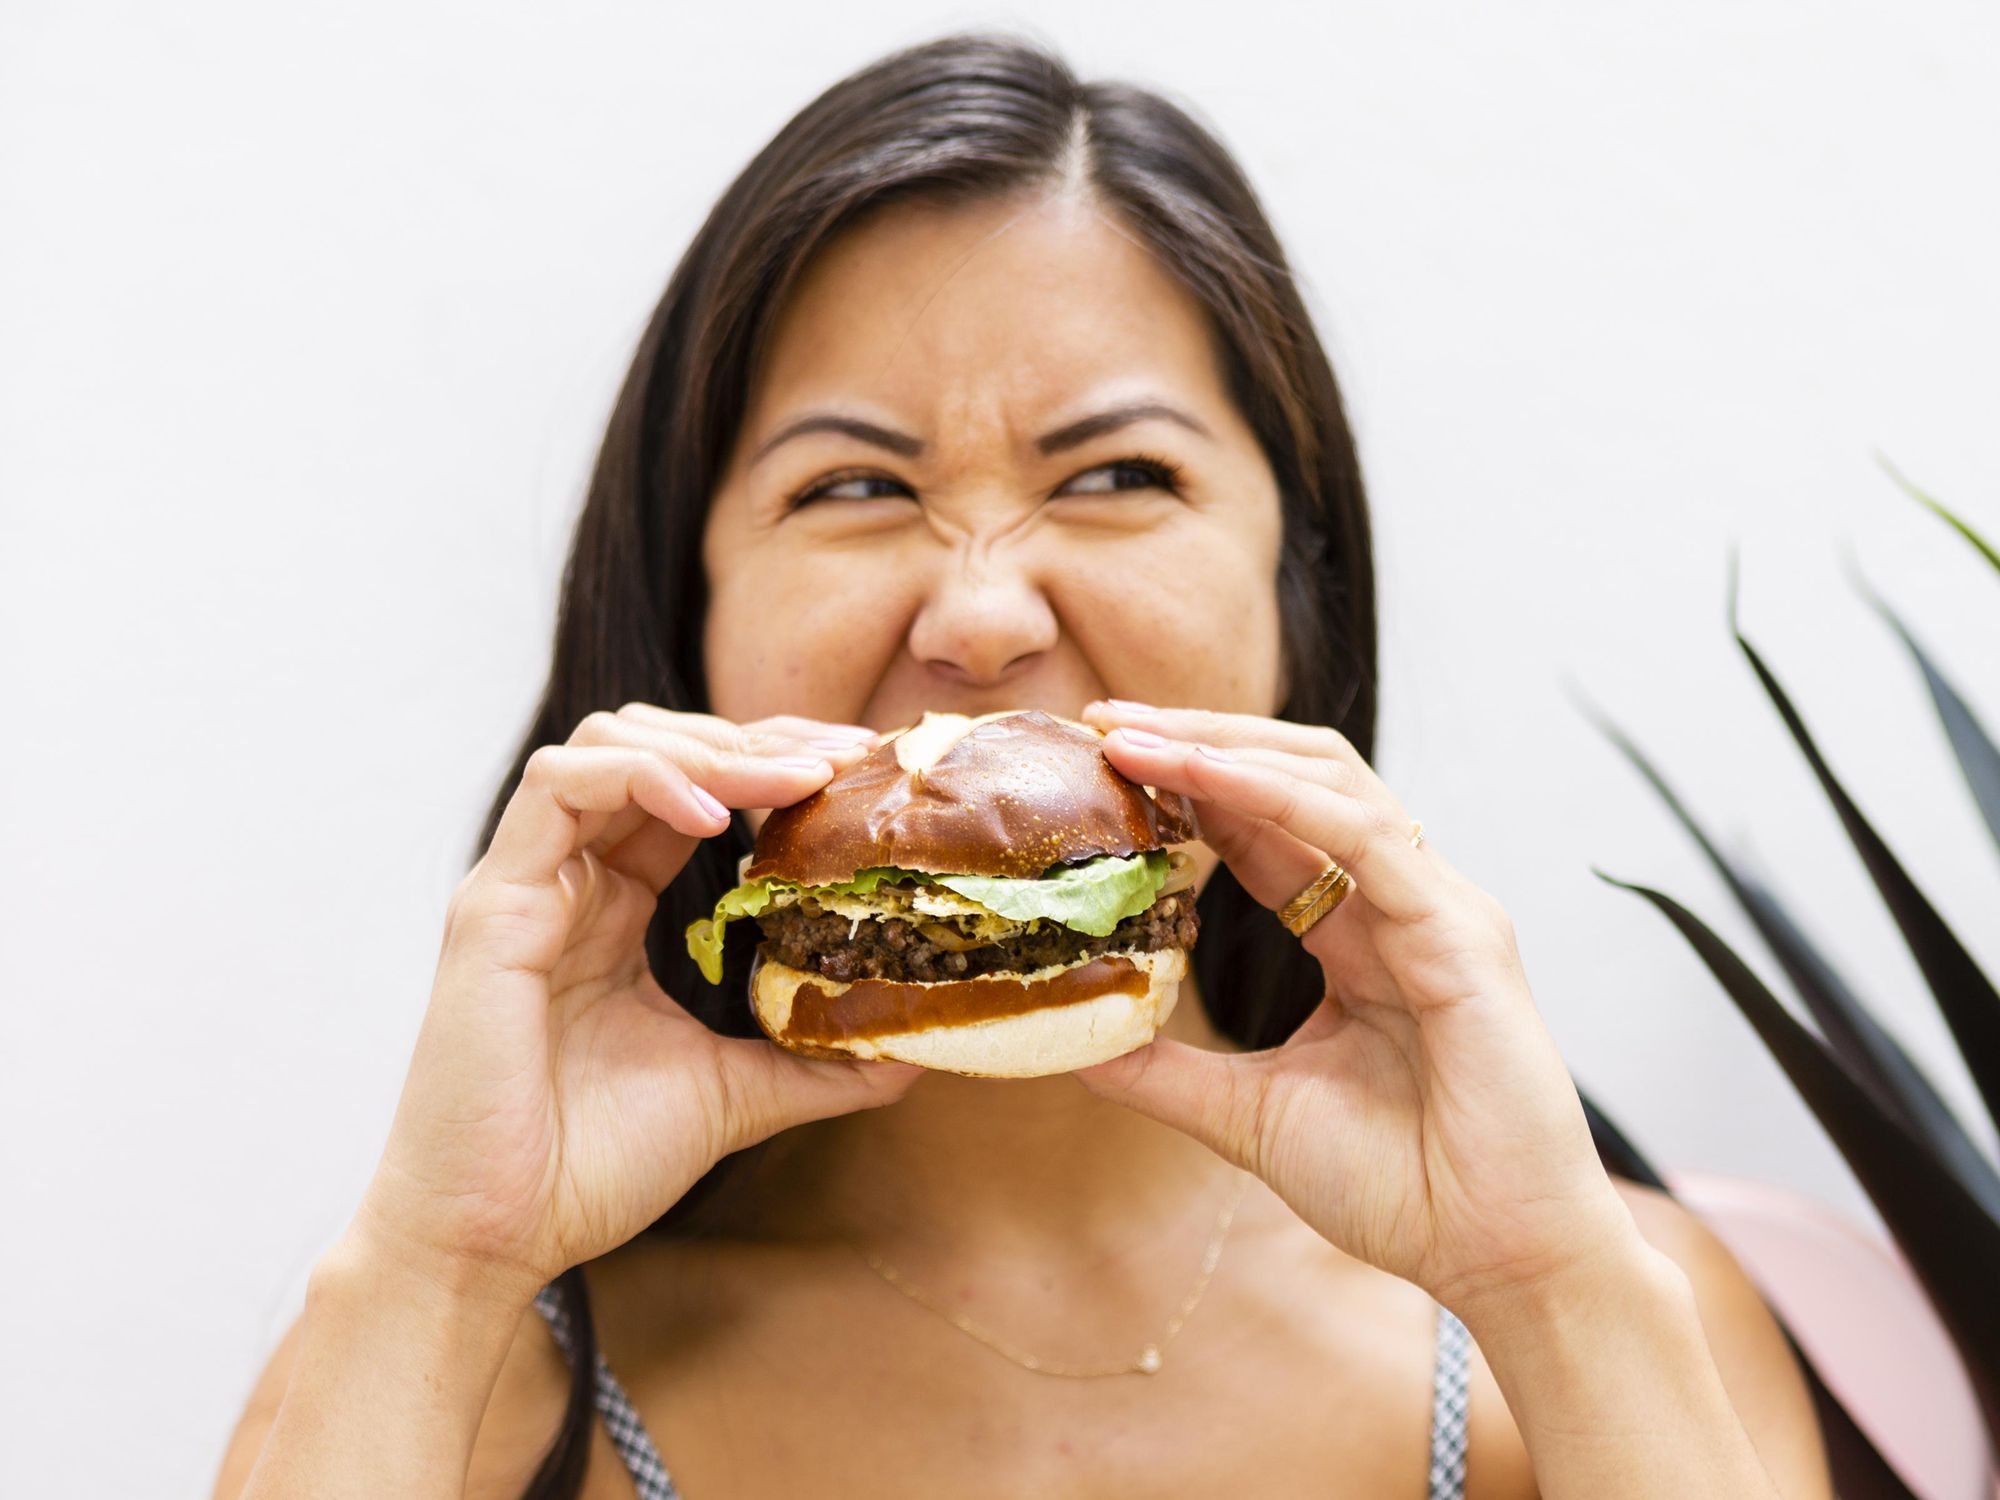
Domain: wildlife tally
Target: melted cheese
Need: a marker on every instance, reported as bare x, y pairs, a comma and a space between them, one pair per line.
917, 903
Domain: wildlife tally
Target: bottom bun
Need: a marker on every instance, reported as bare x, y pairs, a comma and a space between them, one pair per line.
997, 1026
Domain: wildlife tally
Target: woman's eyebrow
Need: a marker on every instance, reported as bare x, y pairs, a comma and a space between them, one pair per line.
1070, 435
1082, 431
833, 421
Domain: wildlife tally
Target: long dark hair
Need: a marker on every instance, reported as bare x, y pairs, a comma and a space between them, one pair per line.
961, 118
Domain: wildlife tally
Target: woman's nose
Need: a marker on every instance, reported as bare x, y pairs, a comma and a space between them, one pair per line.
980, 618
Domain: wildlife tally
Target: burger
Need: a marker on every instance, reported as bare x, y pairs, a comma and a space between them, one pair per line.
981, 895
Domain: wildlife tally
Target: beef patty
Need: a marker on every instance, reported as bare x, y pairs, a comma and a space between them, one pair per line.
804, 936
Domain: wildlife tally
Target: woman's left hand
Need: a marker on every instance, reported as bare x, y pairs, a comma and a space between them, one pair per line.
1421, 1119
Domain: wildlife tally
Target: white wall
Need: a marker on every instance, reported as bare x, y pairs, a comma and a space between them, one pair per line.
308, 320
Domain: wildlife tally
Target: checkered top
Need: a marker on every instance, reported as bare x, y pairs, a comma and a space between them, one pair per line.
628, 1434
1448, 1403
651, 1481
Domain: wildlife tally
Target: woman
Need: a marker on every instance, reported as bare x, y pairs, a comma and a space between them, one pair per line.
984, 388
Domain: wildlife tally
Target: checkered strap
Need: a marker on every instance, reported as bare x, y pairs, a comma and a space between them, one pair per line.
628, 1434
1454, 1345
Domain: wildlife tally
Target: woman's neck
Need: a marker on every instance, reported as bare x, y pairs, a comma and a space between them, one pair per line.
994, 1169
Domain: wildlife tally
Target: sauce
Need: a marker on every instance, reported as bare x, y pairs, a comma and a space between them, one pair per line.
881, 1007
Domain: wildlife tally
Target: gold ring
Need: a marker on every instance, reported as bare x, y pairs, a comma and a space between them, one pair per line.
1326, 892
1416, 833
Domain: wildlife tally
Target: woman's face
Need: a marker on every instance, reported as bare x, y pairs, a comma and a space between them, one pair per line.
974, 537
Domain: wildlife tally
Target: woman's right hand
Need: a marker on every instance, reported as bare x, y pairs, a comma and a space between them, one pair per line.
559, 1100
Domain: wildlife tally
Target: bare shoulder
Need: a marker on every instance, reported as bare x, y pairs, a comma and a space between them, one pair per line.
1731, 1305
1751, 1354
522, 1418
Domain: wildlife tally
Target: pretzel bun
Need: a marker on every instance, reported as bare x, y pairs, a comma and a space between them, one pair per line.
1046, 1021
1002, 794
1008, 795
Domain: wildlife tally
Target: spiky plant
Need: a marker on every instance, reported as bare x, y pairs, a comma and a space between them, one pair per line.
1936, 1191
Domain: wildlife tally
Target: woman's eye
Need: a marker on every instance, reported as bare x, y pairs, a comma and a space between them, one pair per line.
1139, 473
845, 487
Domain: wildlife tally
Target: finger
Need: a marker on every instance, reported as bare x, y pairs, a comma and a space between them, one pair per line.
1367, 837
1343, 777
751, 734
655, 852
581, 876
602, 944
566, 793
569, 792
762, 1089
1312, 745
1251, 733
1274, 866
715, 753
1271, 863
1221, 1099
1205, 726
698, 741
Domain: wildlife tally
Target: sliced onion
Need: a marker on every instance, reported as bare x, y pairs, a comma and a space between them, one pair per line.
949, 938
1180, 873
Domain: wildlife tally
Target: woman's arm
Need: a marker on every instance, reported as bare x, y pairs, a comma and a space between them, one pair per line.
558, 1100
1422, 1118
382, 1385
1662, 1374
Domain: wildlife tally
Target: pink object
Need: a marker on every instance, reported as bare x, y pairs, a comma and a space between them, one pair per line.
1853, 1304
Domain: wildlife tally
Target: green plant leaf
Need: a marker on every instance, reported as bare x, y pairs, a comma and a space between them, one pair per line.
1978, 759
1616, 1152
1964, 994
1874, 1057
1964, 528
1950, 1242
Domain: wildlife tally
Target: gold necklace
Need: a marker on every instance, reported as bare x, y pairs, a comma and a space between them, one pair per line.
1149, 1358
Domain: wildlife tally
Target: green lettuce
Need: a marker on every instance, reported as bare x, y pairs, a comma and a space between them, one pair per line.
1093, 897
704, 938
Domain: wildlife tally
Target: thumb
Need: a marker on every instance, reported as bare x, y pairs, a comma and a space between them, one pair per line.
1219, 1098
765, 1089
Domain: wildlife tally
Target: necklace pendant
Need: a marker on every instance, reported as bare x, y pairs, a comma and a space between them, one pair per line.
1149, 1361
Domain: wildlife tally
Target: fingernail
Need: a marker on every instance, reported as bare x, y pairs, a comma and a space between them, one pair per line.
708, 803
850, 731
1144, 739
1127, 706
1214, 754
831, 743
803, 762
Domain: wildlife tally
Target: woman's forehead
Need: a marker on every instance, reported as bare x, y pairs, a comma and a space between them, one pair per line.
1010, 313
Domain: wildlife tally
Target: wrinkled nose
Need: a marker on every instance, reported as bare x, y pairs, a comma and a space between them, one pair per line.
982, 619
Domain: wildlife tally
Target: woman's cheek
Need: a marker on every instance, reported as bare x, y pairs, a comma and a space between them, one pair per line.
790, 634
1181, 619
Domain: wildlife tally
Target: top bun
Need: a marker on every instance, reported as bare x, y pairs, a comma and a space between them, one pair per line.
1006, 794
